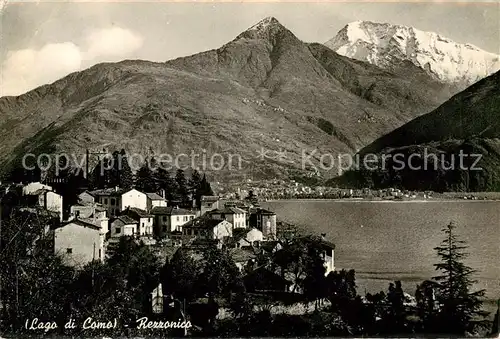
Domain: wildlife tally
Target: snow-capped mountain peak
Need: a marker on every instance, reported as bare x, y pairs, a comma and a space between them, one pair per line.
382, 44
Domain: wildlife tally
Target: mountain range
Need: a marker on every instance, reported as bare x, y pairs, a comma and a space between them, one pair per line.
384, 44
264, 90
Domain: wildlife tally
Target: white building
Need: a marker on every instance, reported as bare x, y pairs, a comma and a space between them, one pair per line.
123, 226
170, 219
155, 200
109, 198
46, 199
144, 220
80, 242
206, 228
236, 216
92, 212
134, 198
32, 187
247, 237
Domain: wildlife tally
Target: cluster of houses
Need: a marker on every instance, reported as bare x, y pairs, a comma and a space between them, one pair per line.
96, 223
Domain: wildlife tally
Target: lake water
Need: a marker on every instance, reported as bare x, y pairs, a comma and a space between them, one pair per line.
387, 241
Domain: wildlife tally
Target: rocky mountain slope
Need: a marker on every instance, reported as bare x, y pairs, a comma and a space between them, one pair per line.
265, 90
468, 124
382, 44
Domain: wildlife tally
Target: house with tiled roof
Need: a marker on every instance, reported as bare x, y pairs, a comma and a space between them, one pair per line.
263, 220
170, 219
37, 194
109, 198
155, 200
134, 198
236, 216
143, 218
205, 227
208, 203
80, 241
124, 225
244, 237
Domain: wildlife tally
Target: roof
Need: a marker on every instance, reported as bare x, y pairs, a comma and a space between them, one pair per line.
107, 191
227, 210
268, 246
240, 233
81, 222
136, 211
125, 219
324, 243
97, 207
87, 192
39, 191
263, 277
202, 222
240, 255
162, 210
209, 198
154, 196
261, 211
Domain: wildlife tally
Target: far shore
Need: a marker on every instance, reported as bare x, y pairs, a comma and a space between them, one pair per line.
409, 200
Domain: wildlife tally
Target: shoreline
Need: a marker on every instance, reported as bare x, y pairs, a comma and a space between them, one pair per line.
384, 200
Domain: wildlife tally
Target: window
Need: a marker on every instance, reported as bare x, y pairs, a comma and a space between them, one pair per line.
105, 201
164, 228
118, 230
164, 218
77, 213
69, 250
112, 202
185, 218
191, 217
178, 218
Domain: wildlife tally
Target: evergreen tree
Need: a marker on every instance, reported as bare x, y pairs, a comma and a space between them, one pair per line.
100, 176
145, 180
459, 307
195, 187
182, 186
165, 182
126, 177
205, 187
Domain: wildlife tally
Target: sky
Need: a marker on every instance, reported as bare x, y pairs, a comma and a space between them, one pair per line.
44, 41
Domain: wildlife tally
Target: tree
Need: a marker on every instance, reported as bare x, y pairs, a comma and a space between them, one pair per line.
205, 187
314, 282
459, 307
145, 181
182, 186
220, 276
396, 315
121, 173
126, 176
195, 187
165, 182
119, 287
426, 304
180, 275
35, 282
252, 198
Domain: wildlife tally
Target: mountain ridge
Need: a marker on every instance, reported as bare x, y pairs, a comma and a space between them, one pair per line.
467, 124
441, 57
265, 89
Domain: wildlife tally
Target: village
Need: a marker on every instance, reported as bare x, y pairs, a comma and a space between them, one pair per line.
95, 224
